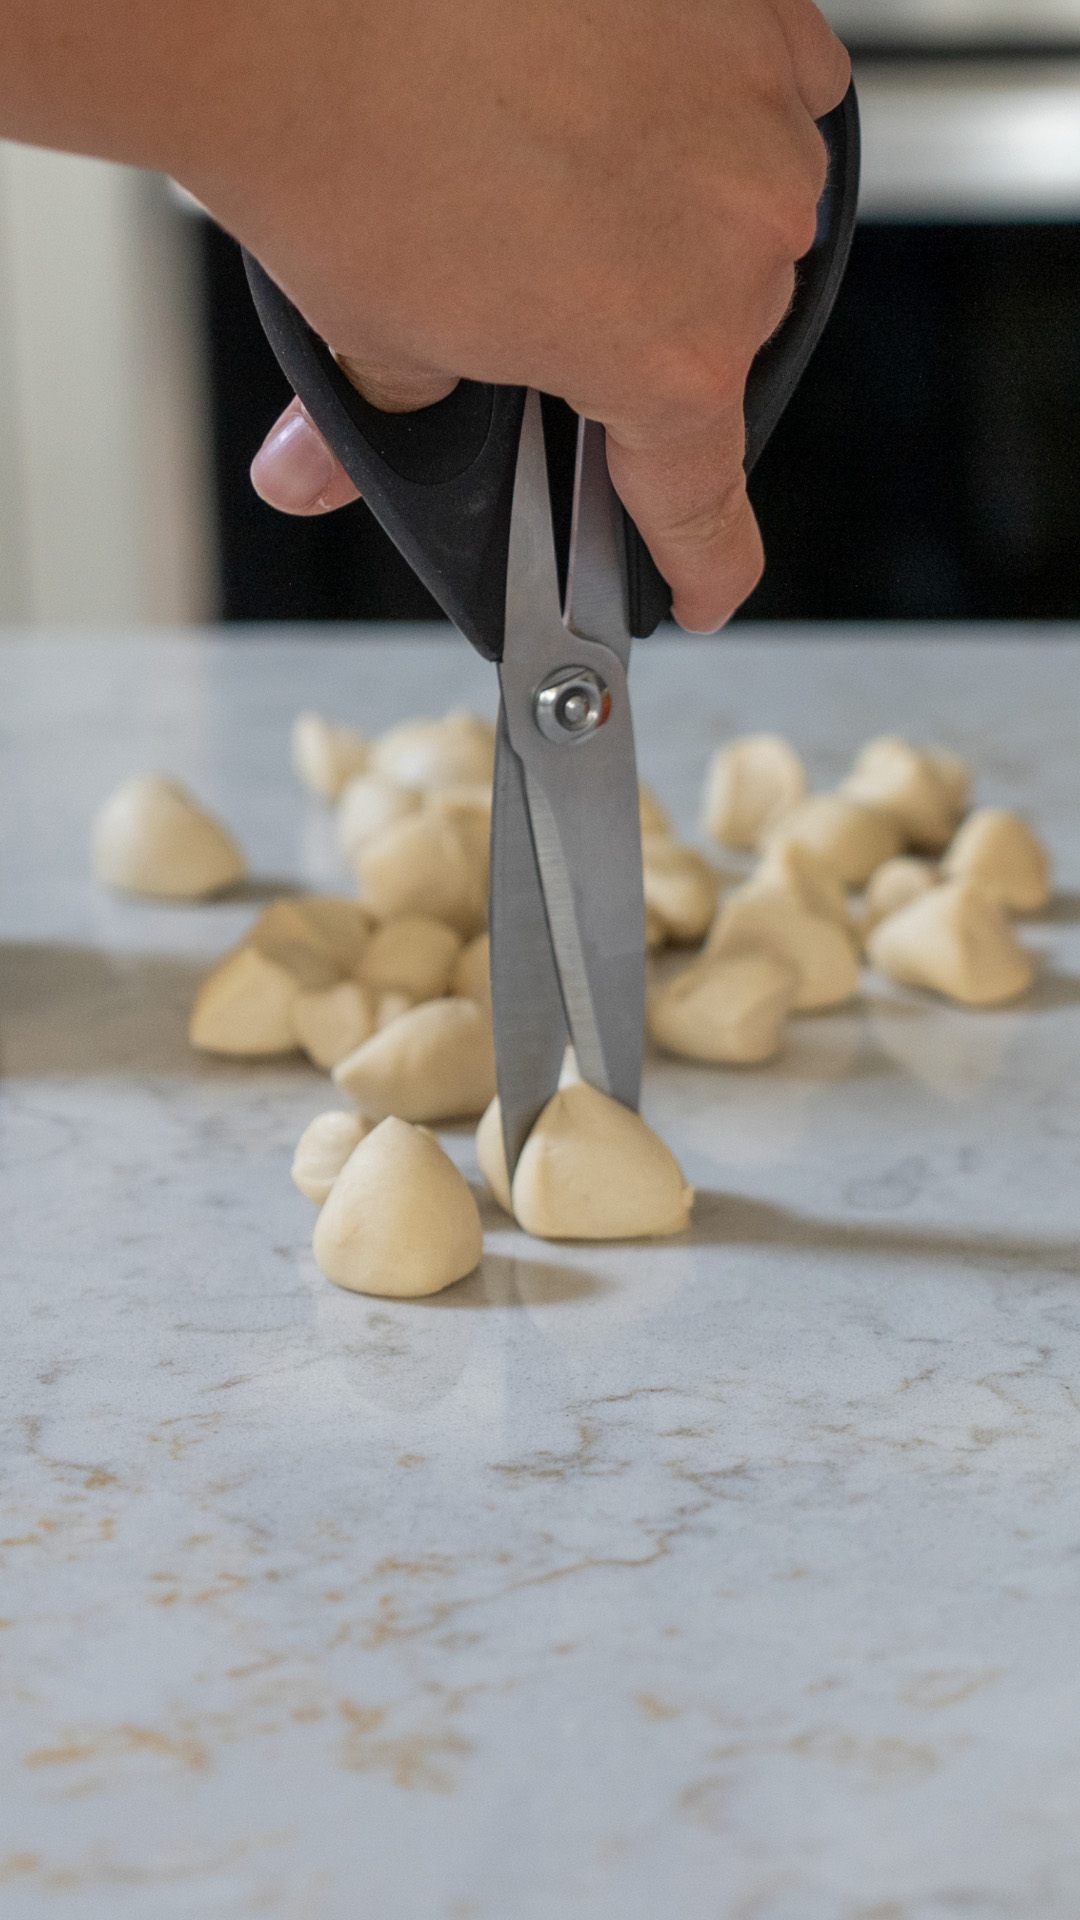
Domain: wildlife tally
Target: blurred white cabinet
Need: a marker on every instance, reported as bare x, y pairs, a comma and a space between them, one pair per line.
106, 511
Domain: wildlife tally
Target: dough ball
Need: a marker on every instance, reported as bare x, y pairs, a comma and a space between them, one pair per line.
414, 955
339, 926
890, 773
795, 873
424, 865
998, 851
468, 809
436, 1062
245, 1007
896, 885
400, 1221
956, 941
325, 757
290, 933
151, 837
333, 1022
681, 889
367, 806
654, 819
848, 835
820, 953
453, 752
750, 783
491, 1153
957, 776
728, 1011
592, 1170
471, 978
322, 1151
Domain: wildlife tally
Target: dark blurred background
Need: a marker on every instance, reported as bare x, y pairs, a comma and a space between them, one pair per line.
929, 467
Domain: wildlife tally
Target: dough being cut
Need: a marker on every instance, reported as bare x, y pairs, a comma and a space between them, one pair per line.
592, 1170
956, 941
400, 1220
436, 1062
750, 783
367, 806
849, 836
728, 1011
325, 757
245, 1007
681, 888
413, 954
456, 751
424, 865
322, 1151
333, 1022
821, 953
151, 837
998, 851
890, 773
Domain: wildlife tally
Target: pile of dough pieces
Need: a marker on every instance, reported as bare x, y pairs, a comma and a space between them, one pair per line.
891, 868
390, 993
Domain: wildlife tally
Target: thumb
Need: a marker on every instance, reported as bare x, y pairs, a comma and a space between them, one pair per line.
686, 493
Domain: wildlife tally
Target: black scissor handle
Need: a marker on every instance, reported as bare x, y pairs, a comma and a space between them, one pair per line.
440, 480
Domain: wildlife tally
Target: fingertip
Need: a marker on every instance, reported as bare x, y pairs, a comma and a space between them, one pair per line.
294, 469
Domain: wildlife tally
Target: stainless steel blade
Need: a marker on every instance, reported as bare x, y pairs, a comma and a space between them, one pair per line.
596, 597
530, 1023
582, 797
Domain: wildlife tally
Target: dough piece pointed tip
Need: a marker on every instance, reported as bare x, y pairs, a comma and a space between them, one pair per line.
999, 852
322, 1150
681, 889
245, 1007
491, 1153
400, 1221
332, 1022
891, 774
848, 835
151, 837
820, 953
593, 1170
325, 757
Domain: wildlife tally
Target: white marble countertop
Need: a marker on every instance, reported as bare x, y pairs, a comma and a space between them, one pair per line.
731, 1578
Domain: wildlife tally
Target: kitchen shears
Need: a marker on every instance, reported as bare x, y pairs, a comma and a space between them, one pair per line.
464, 489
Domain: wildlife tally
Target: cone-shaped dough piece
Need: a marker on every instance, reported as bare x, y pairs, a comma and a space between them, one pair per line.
849, 836
424, 865
456, 751
896, 885
286, 934
414, 955
654, 818
957, 776
245, 1007
322, 1151
728, 1011
400, 1221
750, 783
680, 887
592, 1170
367, 806
491, 1153
793, 872
998, 850
151, 837
332, 1023
436, 1062
957, 941
325, 757
472, 975
890, 773
820, 952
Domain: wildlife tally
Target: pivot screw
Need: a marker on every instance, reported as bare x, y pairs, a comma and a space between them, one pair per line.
571, 705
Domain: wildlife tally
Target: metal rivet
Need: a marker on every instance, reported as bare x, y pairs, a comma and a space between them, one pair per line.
571, 705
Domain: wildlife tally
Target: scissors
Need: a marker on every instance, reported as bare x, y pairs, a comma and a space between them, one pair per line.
464, 489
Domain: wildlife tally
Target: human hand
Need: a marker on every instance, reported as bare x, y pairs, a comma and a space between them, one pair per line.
608, 207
